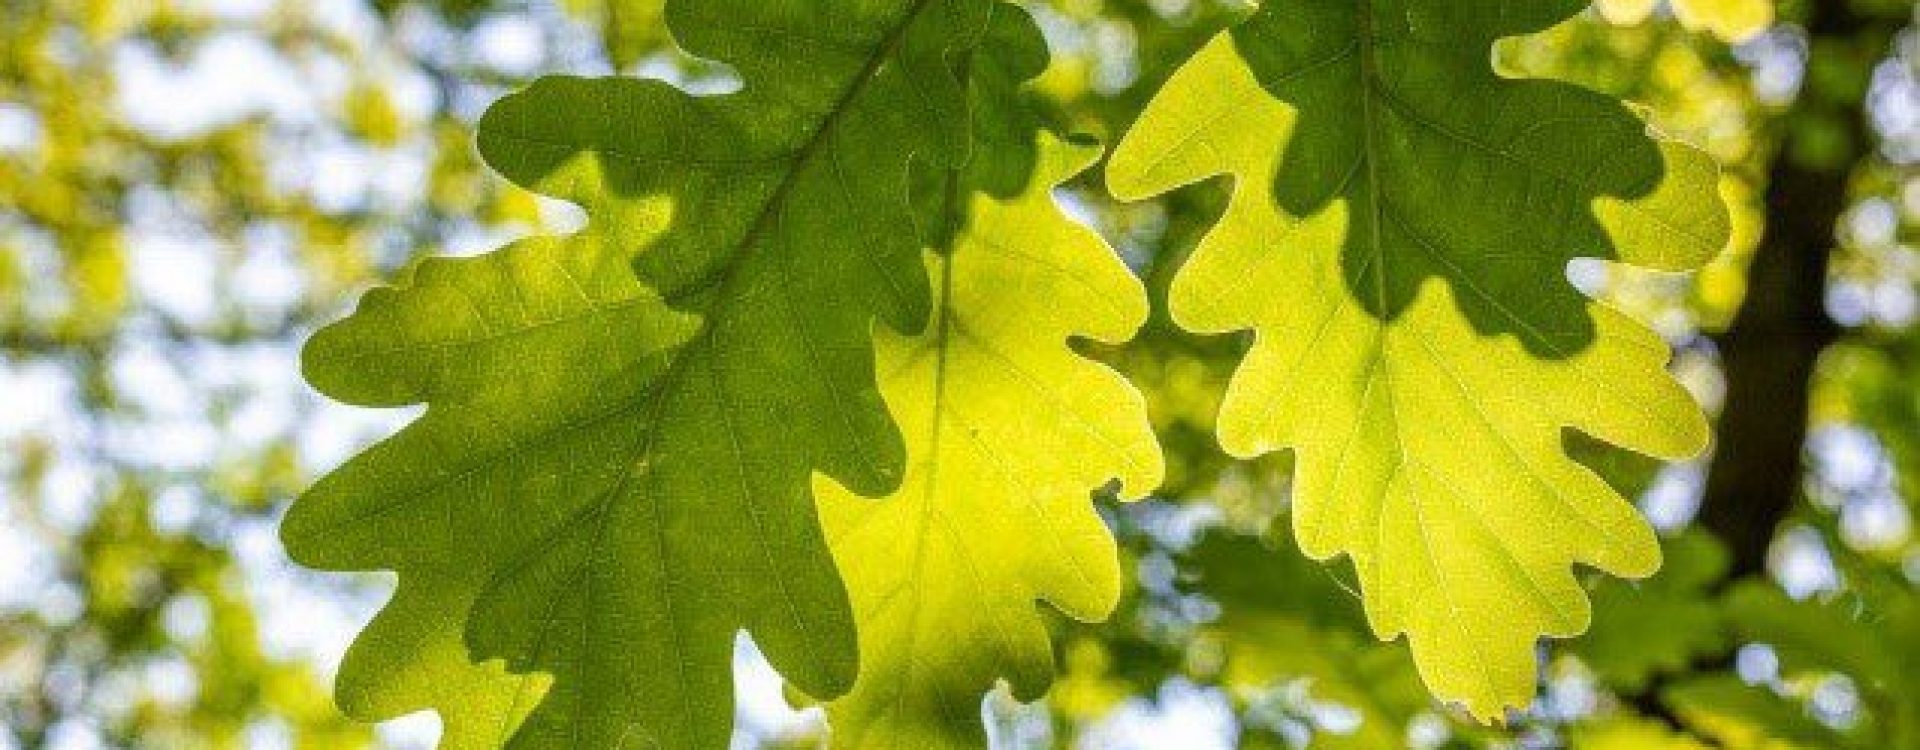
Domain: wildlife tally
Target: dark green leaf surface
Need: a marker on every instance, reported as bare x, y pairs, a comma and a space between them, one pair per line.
613, 474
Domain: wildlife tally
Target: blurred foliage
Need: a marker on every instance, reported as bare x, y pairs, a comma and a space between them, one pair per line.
188, 188
1658, 626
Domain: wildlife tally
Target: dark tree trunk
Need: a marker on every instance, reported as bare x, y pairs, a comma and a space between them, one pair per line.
1770, 354
1775, 343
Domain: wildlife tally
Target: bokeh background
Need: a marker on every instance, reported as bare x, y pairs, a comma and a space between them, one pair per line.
189, 188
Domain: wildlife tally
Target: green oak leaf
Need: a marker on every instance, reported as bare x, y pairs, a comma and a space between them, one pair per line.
1397, 240
1009, 433
613, 475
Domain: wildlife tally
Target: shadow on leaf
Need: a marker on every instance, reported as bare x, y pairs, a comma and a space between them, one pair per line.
613, 477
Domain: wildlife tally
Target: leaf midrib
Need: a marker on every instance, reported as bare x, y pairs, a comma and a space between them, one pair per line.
888, 46
802, 156
1377, 94
722, 278
1376, 212
936, 428
1383, 210
1372, 86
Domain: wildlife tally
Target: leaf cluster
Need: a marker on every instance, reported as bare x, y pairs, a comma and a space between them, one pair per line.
807, 372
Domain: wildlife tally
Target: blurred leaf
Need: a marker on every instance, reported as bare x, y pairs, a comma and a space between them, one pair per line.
1745, 717
1629, 733
1872, 637
1660, 625
632, 28
1286, 620
1733, 21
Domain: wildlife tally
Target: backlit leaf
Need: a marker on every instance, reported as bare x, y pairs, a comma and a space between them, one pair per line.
613, 475
1009, 434
1397, 238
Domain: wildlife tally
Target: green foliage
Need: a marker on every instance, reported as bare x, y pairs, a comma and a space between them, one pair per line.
1660, 625
1746, 717
580, 539
1731, 20
1286, 620
138, 596
1871, 639
1009, 431
1629, 733
1400, 223
612, 477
